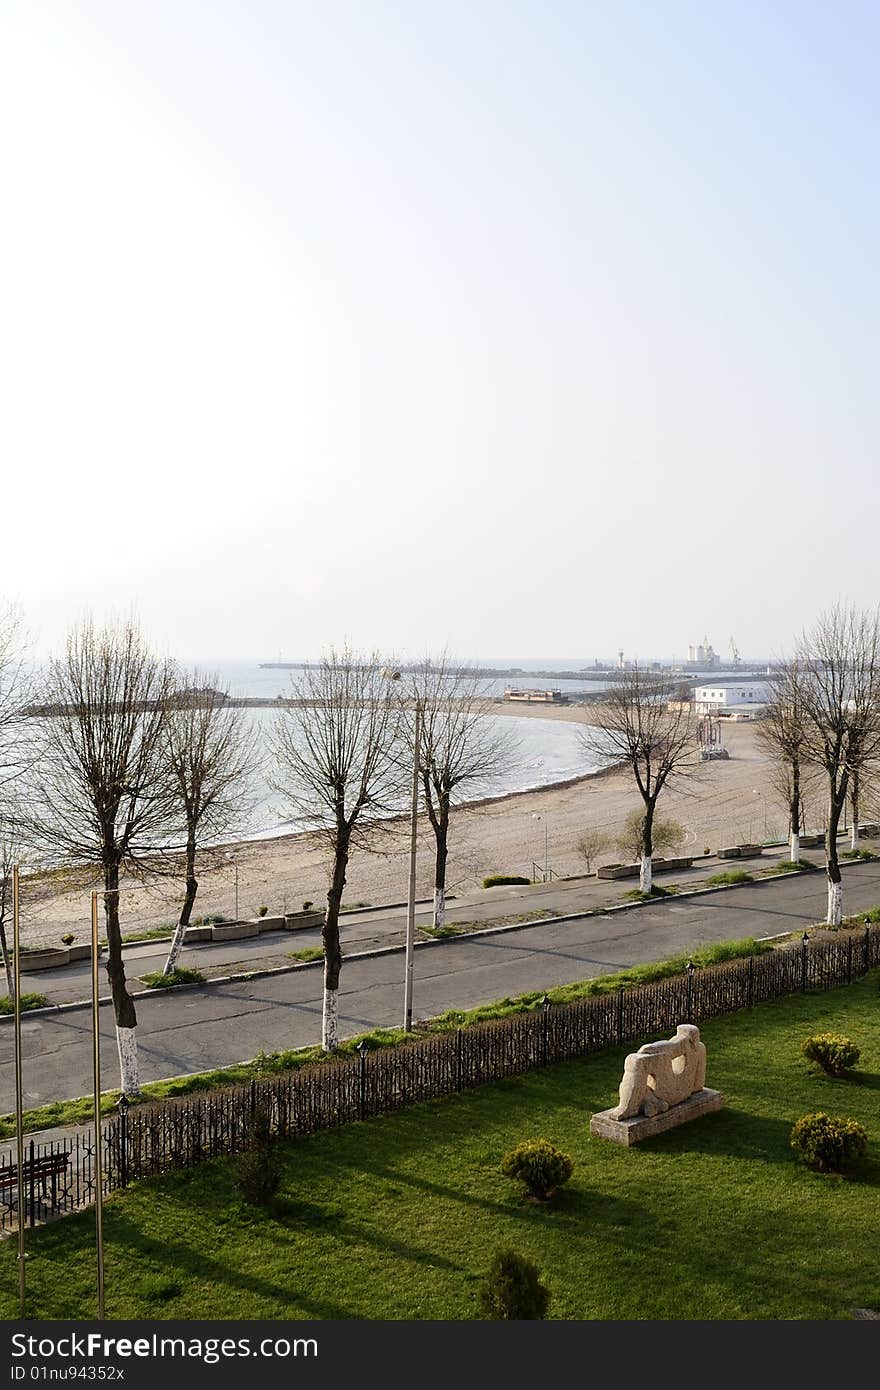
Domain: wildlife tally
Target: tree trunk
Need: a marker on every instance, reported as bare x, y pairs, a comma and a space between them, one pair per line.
794, 815
192, 887
854, 803
332, 950
835, 885
123, 1004
441, 832
7, 963
646, 870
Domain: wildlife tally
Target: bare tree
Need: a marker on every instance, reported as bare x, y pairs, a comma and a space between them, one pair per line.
782, 736
462, 749
840, 660
103, 797
10, 855
337, 756
15, 693
591, 844
211, 753
651, 734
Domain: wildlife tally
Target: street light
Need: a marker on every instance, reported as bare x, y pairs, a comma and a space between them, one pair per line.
756, 792
535, 816
234, 863
393, 675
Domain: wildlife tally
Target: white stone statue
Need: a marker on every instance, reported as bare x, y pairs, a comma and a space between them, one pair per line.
662, 1074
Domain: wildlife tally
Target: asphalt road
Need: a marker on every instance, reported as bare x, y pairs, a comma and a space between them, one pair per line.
197, 1029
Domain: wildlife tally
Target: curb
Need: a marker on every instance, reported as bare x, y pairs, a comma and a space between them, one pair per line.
241, 977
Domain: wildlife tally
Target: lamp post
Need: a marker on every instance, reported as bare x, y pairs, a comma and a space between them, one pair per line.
535, 816
234, 862
19, 1099
756, 792
96, 1063
394, 675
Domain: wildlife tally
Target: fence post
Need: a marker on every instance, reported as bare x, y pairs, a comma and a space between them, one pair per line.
122, 1107
689, 971
751, 979
849, 959
33, 1219
804, 940
545, 1026
458, 1059
362, 1049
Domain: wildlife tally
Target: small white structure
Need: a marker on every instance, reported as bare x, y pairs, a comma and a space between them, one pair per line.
732, 701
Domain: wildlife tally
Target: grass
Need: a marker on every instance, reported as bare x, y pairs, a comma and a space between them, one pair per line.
444, 933
79, 1111
307, 953
858, 854
789, 866
398, 1217
729, 878
635, 895
180, 976
28, 1001
351, 907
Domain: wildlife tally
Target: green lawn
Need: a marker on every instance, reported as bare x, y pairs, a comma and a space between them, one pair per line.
398, 1217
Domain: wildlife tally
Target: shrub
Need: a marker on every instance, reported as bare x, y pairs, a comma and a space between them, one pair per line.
512, 1289
729, 878
67, 939
262, 911
180, 976
834, 1053
28, 1001
259, 1168
791, 866
829, 1143
539, 1166
307, 904
665, 834
497, 880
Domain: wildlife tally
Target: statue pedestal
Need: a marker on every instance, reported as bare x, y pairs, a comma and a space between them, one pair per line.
628, 1132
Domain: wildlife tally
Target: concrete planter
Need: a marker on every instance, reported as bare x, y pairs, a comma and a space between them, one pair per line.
234, 931
82, 952
271, 923
740, 851
194, 934
812, 841
47, 958
619, 871
296, 921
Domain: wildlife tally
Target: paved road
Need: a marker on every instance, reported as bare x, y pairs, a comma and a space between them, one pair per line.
198, 1029
374, 927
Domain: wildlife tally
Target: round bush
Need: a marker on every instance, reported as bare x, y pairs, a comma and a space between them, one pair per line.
539, 1166
497, 880
834, 1053
512, 1289
829, 1143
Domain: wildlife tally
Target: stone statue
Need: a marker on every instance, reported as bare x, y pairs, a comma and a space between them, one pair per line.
662, 1074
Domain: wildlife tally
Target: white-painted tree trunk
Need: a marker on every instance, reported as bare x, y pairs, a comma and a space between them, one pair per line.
174, 949
835, 904
854, 835
126, 1043
645, 874
439, 907
794, 846
330, 1021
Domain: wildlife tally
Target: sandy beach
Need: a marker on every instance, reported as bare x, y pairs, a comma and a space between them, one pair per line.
726, 802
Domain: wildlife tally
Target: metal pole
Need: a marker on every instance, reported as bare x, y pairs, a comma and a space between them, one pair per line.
411, 900
19, 1100
96, 1042
236, 892
546, 854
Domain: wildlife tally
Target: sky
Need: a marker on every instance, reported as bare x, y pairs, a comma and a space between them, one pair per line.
501, 326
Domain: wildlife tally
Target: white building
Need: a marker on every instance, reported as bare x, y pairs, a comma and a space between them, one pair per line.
732, 701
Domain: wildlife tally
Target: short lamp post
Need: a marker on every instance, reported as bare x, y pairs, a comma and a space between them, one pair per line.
234, 862
536, 816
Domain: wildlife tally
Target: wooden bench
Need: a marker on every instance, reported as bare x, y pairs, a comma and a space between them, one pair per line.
46, 1168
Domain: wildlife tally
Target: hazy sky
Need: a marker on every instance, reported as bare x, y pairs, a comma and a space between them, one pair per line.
525, 328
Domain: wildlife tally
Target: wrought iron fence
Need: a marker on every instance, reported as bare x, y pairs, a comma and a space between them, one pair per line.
156, 1138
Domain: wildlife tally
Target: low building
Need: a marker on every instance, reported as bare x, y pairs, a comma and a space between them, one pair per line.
539, 697
732, 701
